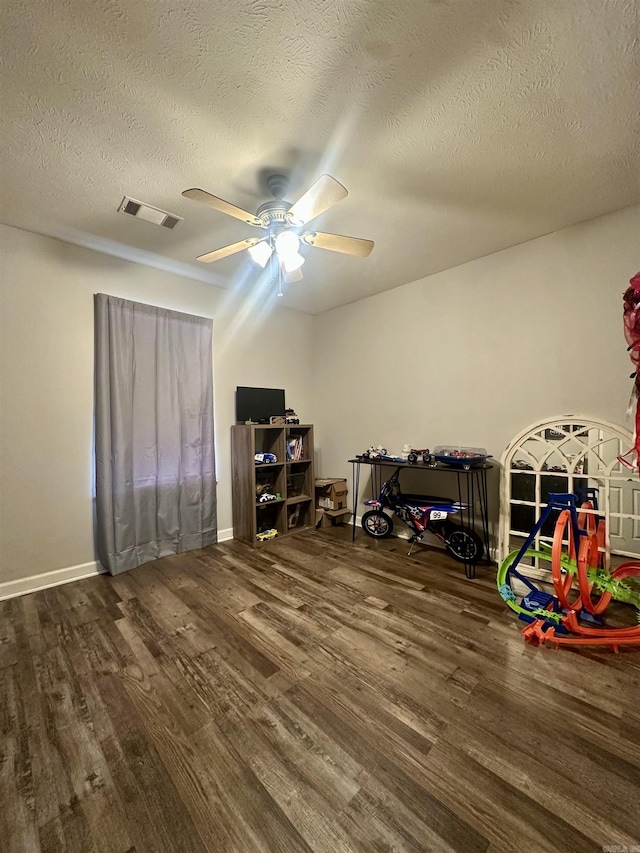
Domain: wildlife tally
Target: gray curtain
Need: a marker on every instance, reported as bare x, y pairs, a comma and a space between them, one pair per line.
155, 465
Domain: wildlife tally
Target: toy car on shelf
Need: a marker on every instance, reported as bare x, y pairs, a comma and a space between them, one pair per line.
290, 417
414, 455
461, 457
267, 534
521, 465
265, 497
262, 458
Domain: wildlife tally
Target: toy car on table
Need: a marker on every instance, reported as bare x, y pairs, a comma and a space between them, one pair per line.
414, 455
372, 452
461, 457
380, 453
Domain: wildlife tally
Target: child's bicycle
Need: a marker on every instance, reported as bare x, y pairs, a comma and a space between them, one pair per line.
422, 513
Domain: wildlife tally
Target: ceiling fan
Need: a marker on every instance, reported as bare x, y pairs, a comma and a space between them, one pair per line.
284, 224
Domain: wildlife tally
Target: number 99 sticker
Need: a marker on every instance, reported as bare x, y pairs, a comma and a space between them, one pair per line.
437, 515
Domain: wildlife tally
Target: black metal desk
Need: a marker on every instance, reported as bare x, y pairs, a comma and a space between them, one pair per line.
474, 491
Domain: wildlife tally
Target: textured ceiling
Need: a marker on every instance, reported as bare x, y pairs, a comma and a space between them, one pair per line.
459, 127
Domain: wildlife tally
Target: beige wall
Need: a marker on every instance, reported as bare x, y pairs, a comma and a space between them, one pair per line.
46, 385
475, 354
471, 355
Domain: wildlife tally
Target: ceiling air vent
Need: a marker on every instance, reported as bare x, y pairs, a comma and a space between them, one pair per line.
148, 213
132, 207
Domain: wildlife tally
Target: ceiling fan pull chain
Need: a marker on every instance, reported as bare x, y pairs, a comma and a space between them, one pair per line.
280, 293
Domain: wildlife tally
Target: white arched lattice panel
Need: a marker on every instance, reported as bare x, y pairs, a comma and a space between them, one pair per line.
569, 454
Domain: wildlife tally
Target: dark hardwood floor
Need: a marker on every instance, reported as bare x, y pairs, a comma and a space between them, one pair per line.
310, 695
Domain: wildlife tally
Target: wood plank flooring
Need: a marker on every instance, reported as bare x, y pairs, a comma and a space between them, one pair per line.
311, 695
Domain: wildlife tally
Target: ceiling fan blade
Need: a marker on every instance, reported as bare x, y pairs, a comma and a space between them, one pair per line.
290, 277
223, 206
231, 249
320, 197
337, 243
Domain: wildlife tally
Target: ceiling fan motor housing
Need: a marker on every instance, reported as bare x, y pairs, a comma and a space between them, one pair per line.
278, 185
274, 212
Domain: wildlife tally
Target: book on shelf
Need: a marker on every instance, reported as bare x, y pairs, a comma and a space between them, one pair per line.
295, 448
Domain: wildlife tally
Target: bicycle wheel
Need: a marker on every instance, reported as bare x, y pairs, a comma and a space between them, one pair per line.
463, 544
377, 524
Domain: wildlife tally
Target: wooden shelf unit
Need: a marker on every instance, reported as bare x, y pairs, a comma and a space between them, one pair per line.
293, 479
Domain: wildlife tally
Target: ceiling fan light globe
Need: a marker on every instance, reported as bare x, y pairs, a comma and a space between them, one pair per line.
287, 243
261, 253
293, 261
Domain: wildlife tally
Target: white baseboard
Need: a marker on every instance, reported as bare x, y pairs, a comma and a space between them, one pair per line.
34, 583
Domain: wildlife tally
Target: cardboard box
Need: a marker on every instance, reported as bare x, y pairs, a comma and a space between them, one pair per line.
331, 494
332, 517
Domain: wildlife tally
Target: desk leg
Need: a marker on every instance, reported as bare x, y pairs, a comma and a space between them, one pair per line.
484, 511
467, 515
355, 485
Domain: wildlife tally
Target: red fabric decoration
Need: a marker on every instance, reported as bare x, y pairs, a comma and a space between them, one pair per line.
631, 303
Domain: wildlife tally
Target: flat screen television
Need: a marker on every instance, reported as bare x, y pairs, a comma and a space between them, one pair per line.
258, 404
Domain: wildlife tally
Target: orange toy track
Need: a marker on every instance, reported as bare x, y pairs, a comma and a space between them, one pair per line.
588, 557
562, 584
535, 634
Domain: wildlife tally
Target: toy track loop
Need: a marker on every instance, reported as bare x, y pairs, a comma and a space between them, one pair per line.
588, 557
563, 583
